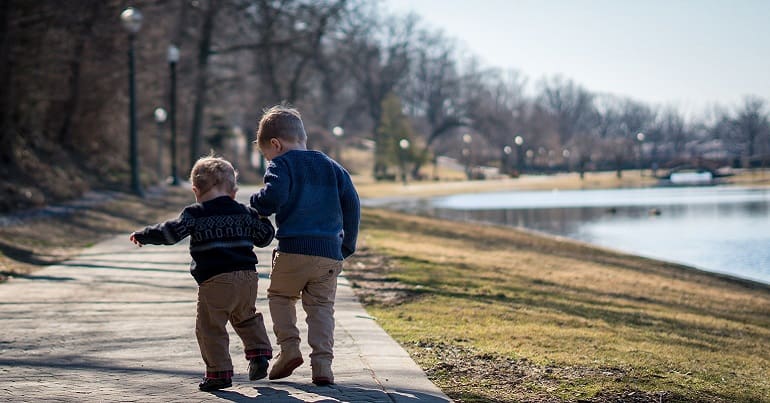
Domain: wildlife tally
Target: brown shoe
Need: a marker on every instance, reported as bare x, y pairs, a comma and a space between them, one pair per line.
286, 362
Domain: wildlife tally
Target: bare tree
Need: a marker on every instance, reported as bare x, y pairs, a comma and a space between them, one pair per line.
379, 54
752, 124
204, 48
571, 105
619, 120
434, 91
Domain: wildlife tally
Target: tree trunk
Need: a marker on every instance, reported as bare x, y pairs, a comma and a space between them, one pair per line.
6, 83
204, 52
73, 98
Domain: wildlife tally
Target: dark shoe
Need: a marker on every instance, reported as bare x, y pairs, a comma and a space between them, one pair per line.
323, 381
210, 384
258, 368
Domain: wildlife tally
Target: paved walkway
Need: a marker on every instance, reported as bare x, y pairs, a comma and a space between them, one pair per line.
117, 324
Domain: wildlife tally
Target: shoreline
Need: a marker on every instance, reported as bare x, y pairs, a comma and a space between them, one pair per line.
416, 204
371, 189
749, 283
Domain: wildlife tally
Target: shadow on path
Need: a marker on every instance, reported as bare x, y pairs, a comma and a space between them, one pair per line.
333, 393
76, 363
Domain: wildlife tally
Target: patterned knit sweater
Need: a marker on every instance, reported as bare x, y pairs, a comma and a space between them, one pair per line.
222, 235
316, 207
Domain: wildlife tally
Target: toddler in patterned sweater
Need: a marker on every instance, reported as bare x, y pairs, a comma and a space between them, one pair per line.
222, 235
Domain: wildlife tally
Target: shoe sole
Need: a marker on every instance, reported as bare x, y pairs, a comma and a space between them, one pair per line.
209, 389
290, 367
258, 376
323, 381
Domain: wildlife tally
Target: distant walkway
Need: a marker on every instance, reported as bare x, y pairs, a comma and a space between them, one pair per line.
117, 324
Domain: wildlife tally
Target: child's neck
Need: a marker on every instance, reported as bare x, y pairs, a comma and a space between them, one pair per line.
287, 146
211, 195
294, 146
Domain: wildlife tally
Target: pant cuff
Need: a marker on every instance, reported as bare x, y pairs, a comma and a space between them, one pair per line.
219, 374
259, 352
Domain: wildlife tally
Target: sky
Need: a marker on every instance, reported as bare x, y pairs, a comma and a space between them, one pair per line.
689, 54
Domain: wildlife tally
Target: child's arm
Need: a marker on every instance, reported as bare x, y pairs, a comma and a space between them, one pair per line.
275, 192
165, 233
351, 217
264, 232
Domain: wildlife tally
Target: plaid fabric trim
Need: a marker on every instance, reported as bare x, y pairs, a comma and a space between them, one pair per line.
258, 352
219, 374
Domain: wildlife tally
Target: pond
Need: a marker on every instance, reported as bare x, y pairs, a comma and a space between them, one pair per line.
716, 228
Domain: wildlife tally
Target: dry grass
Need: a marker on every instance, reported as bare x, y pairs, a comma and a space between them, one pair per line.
496, 314
369, 188
39, 242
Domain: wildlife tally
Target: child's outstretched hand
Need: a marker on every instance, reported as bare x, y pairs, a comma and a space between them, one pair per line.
134, 240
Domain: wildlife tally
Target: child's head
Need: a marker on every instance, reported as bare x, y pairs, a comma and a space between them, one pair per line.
213, 173
280, 129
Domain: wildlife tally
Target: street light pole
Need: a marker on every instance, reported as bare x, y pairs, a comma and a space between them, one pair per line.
338, 132
467, 139
403, 144
519, 141
173, 58
160, 118
640, 138
132, 21
504, 163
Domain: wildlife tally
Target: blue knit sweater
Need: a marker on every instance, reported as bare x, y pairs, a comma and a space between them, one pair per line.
316, 206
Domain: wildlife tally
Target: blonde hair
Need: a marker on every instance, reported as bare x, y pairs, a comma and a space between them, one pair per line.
209, 172
281, 121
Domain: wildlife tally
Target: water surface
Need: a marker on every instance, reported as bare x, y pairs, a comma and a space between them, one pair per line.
719, 229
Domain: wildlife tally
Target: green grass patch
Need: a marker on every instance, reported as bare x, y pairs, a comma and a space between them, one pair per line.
496, 314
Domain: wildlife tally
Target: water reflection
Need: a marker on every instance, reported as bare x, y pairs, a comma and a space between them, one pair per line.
724, 230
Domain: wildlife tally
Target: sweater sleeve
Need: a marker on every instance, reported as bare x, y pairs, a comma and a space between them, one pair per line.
274, 194
351, 217
264, 232
166, 233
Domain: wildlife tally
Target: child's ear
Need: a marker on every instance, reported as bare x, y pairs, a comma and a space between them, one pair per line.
196, 191
276, 143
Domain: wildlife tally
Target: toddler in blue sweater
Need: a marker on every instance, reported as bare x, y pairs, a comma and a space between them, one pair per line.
317, 213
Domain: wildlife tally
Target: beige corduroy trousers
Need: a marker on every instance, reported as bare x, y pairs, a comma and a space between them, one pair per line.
314, 280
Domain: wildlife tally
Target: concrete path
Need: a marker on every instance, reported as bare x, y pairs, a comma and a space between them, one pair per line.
117, 324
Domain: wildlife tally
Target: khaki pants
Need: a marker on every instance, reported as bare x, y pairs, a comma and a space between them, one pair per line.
314, 280
229, 297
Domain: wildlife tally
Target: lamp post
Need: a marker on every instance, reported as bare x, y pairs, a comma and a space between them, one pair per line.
640, 139
173, 58
467, 139
504, 163
403, 144
565, 153
131, 19
338, 132
160, 118
519, 141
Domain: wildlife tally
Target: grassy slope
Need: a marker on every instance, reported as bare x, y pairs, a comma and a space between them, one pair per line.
559, 319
